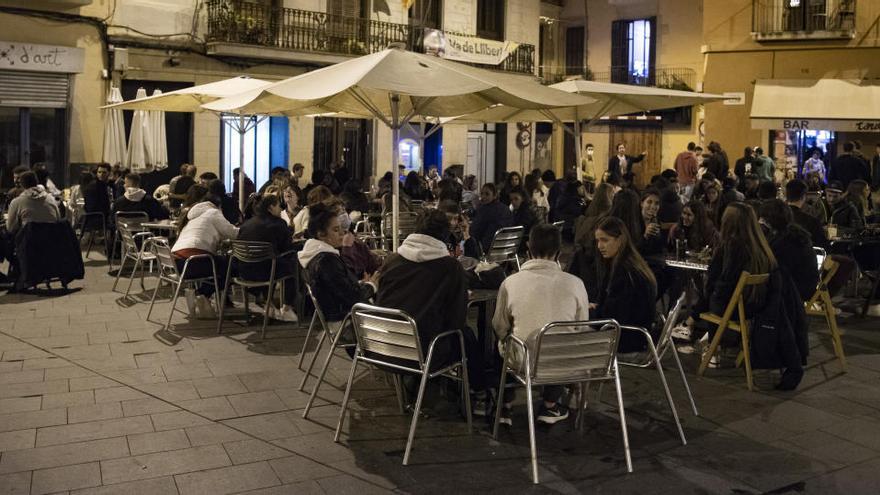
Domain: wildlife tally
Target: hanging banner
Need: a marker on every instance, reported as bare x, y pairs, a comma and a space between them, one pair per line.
467, 48
41, 58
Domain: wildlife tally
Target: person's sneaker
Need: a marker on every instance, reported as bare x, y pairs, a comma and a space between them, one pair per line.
286, 313
480, 405
506, 417
204, 310
681, 332
190, 295
553, 414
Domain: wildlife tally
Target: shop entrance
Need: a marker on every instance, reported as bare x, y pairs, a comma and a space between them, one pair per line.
793, 147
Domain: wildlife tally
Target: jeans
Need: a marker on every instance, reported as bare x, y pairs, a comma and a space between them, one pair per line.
200, 268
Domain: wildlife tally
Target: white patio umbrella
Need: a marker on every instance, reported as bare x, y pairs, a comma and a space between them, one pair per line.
395, 86
114, 131
158, 145
610, 100
139, 139
191, 99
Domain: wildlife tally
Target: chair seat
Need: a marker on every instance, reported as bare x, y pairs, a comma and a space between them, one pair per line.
257, 283
716, 319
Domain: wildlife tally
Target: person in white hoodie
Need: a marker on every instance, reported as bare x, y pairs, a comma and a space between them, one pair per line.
540, 293
136, 199
201, 233
32, 205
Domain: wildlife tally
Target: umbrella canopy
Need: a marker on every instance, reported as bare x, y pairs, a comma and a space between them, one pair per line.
158, 145
139, 140
191, 99
114, 131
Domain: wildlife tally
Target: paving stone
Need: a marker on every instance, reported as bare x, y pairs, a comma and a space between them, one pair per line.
68, 399
160, 441
227, 480
54, 480
107, 337
246, 451
863, 431
26, 376
213, 434
317, 446
25, 354
19, 404
8, 367
164, 464
68, 372
148, 405
137, 377
63, 455
156, 486
223, 385
171, 391
45, 363
310, 487
296, 468
32, 419
266, 426
215, 408
91, 383
93, 430
177, 419
117, 394
29, 389
15, 484
94, 412
175, 372
16, 440
256, 403
345, 484
270, 380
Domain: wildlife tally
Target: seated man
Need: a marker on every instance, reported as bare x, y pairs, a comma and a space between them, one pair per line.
32, 205
429, 285
136, 199
844, 213
181, 184
539, 294
98, 195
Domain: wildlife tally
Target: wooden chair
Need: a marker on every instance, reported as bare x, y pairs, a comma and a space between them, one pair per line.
724, 323
820, 305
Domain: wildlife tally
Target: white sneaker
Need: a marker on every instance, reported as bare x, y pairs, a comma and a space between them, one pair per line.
681, 332
190, 295
286, 313
204, 310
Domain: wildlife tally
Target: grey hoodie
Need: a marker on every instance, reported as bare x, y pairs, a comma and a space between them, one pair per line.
32, 205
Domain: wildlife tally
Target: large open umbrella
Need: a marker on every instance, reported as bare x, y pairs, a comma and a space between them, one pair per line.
139, 139
191, 100
114, 131
158, 145
395, 86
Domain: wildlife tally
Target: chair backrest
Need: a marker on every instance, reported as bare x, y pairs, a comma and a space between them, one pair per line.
386, 333
127, 237
307, 282
671, 321
572, 351
506, 243
252, 251
746, 279
131, 217
406, 224
828, 270
162, 251
559, 224
820, 256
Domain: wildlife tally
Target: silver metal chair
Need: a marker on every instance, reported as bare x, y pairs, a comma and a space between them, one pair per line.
168, 273
820, 256
131, 251
505, 245
254, 252
571, 352
389, 337
559, 224
317, 317
406, 226
132, 219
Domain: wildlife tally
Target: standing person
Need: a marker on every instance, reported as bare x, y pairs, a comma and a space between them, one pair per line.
875, 169
249, 187
764, 166
744, 165
814, 165
621, 164
686, 165
491, 216
717, 163
535, 189
848, 167
433, 177
588, 165
549, 180
297, 176
540, 293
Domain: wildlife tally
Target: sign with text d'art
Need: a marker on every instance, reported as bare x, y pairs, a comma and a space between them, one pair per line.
467, 48
41, 58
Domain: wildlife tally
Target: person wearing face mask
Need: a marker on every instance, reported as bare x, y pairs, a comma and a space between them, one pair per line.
354, 252
334, 284
267, 226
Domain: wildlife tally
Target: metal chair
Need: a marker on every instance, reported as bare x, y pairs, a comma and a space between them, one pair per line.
406, 226
505, 245
317, 317
571, 352
133, 219
656, 353
559, 224
254, 252
168, 273
131, 251
389, 337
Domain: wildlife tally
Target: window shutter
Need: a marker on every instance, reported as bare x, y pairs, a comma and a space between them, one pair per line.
34, 89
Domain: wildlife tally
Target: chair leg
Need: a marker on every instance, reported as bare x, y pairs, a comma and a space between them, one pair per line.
153, 299
173, 303
629, 467
302, 353
870, 297
302, 385
118, 274
500, 399
323, 373
89, 245
466, 393
416, 410
398, 390
269, 294
744, 331
835, 331
137, 263
713, 347
530, 406
221, 309
684, 380
345, 397
669, 400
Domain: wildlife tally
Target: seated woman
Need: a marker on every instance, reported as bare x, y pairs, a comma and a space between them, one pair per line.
334, 284
354, 252
354, 198
511, 182
491, 216
291, 196
202, 229
523, 213
267, 226
653, 242
415, 187
627, 287
791, 245
695, 228
569, 207
585, 225
301, 221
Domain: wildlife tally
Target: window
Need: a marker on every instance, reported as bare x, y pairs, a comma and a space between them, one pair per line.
430, 10
29, 136
490, 19
574, 51
633, 48
265, 146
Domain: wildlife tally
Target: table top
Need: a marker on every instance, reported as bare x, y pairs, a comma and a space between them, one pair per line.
688, 264
161, 224
480, 295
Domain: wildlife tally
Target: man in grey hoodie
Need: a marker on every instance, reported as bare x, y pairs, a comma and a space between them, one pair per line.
32, 205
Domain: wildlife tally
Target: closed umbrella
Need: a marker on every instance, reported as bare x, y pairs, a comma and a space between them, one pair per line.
158, 144
114, 131
396, 86
139, 139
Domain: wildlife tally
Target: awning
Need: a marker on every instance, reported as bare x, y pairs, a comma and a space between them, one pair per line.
849, 105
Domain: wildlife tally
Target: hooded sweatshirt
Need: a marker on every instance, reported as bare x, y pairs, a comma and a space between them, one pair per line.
32, 205
333, 283
137, 200
204, 230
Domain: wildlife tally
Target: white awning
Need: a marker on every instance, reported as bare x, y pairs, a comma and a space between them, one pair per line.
825, 104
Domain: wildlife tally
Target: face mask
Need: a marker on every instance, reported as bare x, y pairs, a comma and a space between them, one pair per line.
344, 221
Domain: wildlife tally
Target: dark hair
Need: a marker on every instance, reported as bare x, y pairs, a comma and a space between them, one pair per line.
700, 232
714, 147
28, 180
41, 172
759, 150
297, 166
626, 207
207, 176
103, 165
216, 187
265, 201
278, 170
709, 176
85, 178
530, 183
545, 240
320, 216
133, 179
692, 146
319, 194
698, 148
20, 169
651, 191
548, 176
522, 192
195, 194
795, 190
628, 256
669, 174
766, 190
776, 214
747, 151
318, 177
434, 223
490, 186
848, 147
728, 183
660, 183
511, 175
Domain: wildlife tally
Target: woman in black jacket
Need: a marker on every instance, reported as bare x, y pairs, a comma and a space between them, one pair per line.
791, 245
523, 213
267, 226
627, 288
334, 284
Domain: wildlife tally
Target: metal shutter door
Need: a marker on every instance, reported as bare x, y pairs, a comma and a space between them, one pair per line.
34, 89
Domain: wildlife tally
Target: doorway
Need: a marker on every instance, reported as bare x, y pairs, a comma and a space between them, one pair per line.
639, 138
344, 141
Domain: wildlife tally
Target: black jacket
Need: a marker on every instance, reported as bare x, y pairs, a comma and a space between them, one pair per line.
586, 266
812, 225
433, 292
229, 207
740, 168
614, 164
793, 250
335, 286
47, 251
845, 214
271, 229
148, 205
626, 296
97, 196
847, 168
488, 220
778, 333
527, 218
717, 164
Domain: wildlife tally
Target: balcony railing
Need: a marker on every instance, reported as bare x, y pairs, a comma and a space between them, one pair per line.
683, 78
238, 21
807, 19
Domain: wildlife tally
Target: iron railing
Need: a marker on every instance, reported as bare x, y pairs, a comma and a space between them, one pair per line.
683, 78
780, 17
239, 21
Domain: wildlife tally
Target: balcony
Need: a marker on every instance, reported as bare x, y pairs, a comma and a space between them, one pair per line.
243, 29
787, 20
683, 78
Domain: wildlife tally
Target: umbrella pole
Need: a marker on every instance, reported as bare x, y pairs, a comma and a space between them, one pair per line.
579, 149
395, 182
241, 174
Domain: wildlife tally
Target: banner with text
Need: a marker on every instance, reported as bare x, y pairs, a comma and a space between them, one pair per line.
841, 125
41, 58
467, 48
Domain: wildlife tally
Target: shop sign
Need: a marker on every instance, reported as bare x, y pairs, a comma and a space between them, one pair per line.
15, 55
467, 48
843, 125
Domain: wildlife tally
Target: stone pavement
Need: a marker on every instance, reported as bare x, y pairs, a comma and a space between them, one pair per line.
92, 403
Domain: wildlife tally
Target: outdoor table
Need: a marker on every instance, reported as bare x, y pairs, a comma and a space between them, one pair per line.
163, 225
691, 268
481, 298
688, 264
